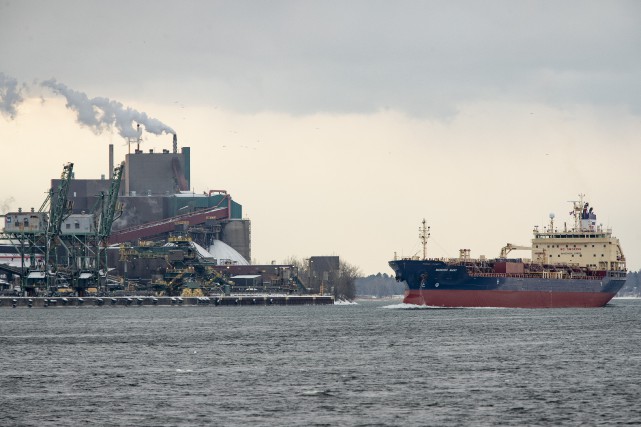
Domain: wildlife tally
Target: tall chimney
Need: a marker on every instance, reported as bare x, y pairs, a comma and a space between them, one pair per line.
111, 161
175, 144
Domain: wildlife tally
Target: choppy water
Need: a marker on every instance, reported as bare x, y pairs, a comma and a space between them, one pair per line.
375, 363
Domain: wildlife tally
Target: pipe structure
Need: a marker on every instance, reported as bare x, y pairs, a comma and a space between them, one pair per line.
111, 161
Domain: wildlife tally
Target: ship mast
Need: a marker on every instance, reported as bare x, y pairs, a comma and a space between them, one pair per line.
576, 212
424, 235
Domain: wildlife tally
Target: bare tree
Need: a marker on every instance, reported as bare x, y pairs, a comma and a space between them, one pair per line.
345, 287
342, 281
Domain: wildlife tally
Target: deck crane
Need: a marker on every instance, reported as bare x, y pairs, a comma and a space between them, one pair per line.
509, 247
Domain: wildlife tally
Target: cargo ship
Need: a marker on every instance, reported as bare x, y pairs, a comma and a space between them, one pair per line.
580, 266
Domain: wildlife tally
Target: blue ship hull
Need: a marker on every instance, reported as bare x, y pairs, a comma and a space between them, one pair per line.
436, 283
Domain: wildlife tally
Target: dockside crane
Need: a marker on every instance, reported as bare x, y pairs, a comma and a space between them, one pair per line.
105, 217
108, 215
36, 234
59, 209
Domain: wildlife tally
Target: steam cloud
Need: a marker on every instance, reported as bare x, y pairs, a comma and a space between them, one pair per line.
5, 205
10, 95
102, 113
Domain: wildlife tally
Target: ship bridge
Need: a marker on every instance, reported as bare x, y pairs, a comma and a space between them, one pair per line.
587, 244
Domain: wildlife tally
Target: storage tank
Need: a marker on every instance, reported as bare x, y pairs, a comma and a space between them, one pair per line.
237, 234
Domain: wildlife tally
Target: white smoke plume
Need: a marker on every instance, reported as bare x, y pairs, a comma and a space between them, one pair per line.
10, 95
102, 113
5, 205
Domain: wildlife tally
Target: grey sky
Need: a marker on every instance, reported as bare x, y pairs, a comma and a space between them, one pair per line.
342, 122
301, 57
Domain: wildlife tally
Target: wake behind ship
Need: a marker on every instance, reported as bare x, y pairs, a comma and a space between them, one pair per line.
583, 266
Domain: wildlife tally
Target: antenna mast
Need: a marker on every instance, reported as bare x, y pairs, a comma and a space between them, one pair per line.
576, 211
424, 235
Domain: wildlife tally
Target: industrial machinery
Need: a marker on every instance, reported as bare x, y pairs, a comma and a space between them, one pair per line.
183, 265
59, 249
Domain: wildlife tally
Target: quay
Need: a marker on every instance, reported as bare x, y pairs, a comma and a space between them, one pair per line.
134, 301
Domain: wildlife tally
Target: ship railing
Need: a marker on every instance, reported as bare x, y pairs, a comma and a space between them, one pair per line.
531, 276
622, 273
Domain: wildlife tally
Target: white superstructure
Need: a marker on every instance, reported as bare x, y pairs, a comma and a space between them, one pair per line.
586, 244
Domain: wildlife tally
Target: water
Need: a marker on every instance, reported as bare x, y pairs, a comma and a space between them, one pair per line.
375, 363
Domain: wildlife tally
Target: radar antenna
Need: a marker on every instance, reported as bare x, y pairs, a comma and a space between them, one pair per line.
424, 235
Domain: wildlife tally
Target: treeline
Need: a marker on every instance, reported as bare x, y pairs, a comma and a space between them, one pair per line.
378, 285
632, 287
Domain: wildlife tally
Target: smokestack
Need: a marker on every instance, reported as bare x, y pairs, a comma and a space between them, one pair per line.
111, 161
175, 144
187, 159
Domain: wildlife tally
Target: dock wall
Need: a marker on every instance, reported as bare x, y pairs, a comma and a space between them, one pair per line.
133, 301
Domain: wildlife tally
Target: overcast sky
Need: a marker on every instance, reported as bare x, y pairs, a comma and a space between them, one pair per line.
339, 126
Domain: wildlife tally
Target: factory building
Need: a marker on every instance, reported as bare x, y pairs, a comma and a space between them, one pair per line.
142, 230
155, 196
323, 272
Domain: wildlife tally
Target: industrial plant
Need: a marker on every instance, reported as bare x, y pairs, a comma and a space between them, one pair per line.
138, 231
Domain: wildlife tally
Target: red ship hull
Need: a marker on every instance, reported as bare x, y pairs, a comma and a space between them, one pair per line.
507, 299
